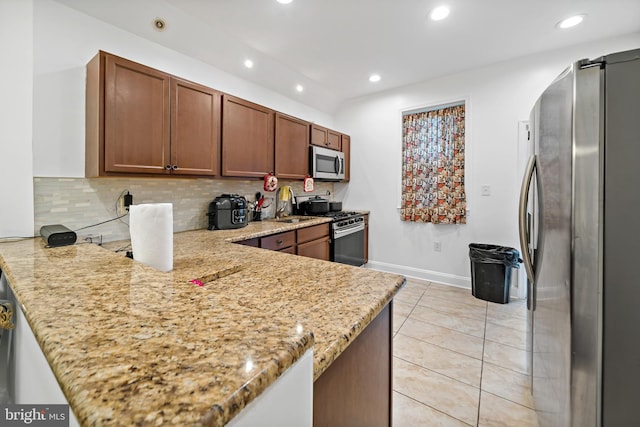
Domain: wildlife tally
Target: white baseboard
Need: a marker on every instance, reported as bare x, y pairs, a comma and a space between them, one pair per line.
418, 273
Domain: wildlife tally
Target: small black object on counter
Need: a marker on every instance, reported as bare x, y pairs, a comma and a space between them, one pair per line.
228, 211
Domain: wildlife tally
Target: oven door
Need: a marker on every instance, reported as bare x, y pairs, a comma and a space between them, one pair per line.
348, 245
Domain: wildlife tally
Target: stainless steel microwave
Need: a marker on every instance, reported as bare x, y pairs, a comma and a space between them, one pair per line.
327, 164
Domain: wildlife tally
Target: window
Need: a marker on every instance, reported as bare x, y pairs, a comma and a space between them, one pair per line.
433, 143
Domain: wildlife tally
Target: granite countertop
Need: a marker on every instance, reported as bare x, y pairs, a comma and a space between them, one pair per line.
132, 345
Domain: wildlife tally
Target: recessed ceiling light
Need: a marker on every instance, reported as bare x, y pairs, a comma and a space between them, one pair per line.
284, 1
299, 88
570, 22
248, 63
439, 13
159, 24
374, 78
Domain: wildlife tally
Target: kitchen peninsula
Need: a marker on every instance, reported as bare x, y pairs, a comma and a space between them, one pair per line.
130, 345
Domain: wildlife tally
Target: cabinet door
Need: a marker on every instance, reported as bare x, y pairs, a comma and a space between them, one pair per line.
291, 147
136, 117
318, 249
290, 250
318, 135
356, 388
247, 138
333, 140
195, 129
346, 149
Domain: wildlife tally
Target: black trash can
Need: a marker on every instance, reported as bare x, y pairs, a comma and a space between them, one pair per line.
491, 267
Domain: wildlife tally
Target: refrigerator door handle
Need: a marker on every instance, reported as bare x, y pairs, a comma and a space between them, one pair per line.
522, 214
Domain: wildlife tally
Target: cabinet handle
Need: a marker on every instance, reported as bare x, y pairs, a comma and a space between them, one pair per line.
175, 167
168, 167
279, 241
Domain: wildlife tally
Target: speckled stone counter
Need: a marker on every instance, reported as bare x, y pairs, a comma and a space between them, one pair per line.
131, 345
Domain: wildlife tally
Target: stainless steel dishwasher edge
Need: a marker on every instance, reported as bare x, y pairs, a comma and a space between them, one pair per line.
7, 308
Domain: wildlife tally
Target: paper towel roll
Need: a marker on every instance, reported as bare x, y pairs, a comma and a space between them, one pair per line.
151, 229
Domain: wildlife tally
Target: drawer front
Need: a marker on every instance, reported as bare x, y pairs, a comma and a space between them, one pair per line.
312, 233
278, 241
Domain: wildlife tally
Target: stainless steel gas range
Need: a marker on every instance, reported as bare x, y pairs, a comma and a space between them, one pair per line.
347, 237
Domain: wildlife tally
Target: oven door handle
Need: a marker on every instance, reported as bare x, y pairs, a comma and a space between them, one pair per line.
345, 232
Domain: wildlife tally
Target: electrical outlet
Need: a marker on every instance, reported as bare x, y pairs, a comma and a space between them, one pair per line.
437, 246
121, 209
485, 190
123, 202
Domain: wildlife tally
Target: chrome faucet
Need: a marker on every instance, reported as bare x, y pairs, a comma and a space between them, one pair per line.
282, 205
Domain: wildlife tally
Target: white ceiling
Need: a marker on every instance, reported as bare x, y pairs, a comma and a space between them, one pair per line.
332, 46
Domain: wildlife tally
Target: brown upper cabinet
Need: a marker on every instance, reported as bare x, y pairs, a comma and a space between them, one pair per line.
195, 128
247, 138
325, 137
292, 147
333, 139
141, 120
346, 149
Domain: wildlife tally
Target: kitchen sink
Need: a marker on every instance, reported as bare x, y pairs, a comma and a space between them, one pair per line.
292, 220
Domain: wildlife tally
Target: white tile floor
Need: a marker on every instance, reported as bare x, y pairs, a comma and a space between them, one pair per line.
458, 360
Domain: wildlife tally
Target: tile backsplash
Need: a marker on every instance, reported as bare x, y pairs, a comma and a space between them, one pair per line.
79, 202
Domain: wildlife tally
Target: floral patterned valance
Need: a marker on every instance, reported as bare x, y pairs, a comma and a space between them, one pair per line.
433, 166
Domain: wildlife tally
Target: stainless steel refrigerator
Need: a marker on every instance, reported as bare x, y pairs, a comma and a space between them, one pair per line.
580, 237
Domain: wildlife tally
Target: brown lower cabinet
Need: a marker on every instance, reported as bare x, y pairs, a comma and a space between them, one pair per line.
318, 249
312, 242
356, 389
279, 241
290, 250
251, 242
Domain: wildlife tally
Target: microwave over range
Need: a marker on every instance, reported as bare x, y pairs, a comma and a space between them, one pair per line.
327, 164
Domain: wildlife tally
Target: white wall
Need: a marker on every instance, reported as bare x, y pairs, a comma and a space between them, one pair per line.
65, 40
16, 89
497, 97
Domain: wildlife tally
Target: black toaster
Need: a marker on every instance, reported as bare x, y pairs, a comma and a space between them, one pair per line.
228, 211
